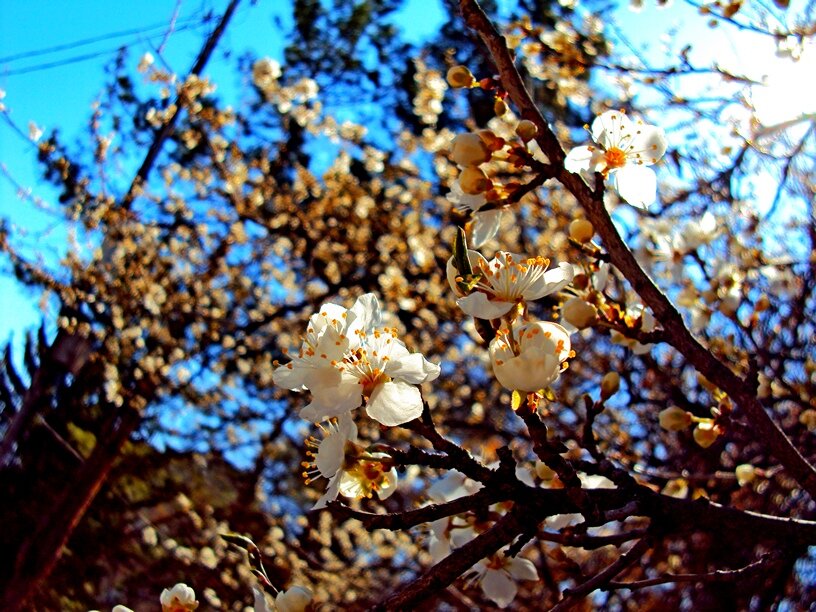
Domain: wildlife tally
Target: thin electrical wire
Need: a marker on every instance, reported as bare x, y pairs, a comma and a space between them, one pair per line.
102, 37
95, 54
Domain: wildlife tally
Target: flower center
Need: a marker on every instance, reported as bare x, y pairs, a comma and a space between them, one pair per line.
615, 158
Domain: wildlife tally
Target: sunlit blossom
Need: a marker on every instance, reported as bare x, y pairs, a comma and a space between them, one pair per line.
505, 281
624, 149
347, 359
529, 358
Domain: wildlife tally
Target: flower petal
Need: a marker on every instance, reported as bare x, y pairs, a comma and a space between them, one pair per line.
331, 492
579, 159
394, 403
367, 315
610, 128
485, 226
478, 305
522, 569
499, 587
637, 185
328, 402
331, 451
412, 368
550, 282
648, 145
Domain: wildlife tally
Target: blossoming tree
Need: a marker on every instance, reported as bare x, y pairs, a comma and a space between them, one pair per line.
470, 361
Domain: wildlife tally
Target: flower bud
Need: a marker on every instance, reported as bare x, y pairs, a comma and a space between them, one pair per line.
610, 384
745, 473
674, 419
469, 150
526, 130
473, 180
706, 433
581, 230
579, 313
460, 76
499, 107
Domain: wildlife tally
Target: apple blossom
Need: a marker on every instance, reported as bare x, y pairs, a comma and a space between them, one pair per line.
624, 149
529, 358
507, 280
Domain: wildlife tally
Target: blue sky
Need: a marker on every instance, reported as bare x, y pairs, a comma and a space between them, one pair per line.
79, 39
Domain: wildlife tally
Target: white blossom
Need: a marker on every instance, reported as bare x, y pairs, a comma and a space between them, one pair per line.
347, 359
529, 358
486, 223
624, 149
507, 280
498, 575
180, 598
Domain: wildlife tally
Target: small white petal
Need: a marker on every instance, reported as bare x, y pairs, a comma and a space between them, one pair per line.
478, 305
499, 587
637, 185
550, 282
293, 599
579, 159
260, 604
367, 313
328, 402
412, 368
485, 226
331, 452
290, 377
610, 127
331, 492
389, 486
522, 569
394, 403
648, 146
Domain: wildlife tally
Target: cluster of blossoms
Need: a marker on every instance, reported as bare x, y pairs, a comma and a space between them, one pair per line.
526, 356
349, 359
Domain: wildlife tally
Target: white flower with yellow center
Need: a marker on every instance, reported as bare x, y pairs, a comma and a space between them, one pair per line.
385, 374
505, 281
529, 358
351, 470
347, 358
624, 150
